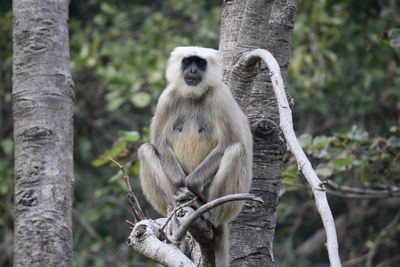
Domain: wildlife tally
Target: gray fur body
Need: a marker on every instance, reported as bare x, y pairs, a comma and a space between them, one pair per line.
200, 139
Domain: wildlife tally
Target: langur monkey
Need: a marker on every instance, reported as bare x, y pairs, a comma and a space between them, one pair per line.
200, 139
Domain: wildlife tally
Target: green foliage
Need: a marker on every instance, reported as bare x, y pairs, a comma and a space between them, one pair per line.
122, 146
356, 159
351, 158
342, 69
394, 35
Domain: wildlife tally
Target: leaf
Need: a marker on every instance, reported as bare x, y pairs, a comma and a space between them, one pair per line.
7, 146
112, 152
115, 177
115, 103
108, 9
393, 141
141, 99
343, 161
357, 134
324, 171
320, 141
305, 140
130, 136
394, 38
136, 168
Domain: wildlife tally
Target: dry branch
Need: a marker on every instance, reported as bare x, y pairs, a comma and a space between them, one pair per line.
353, 192
145, 239
286, 124
136, 209
208, 206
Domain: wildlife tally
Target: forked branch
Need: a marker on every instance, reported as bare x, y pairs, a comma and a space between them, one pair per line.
286, 124
208, 206
136, 209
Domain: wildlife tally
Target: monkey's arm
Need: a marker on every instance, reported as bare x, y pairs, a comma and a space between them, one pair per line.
172, 168
169, 162
202, 176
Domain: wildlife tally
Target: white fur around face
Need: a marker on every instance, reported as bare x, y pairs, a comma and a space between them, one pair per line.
213, 74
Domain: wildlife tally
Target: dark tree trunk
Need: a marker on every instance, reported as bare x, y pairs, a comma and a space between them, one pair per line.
43, 134
248, 25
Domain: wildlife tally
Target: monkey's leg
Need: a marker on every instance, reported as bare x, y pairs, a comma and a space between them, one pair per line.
231, 178
156, 186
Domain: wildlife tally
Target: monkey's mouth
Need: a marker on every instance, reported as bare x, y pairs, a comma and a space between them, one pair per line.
192, 80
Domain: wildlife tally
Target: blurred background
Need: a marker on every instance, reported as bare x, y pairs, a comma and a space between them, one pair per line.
344, 76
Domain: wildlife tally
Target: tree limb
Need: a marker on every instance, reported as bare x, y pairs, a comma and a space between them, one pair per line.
145, 239
385, 231
352, 192
286, 125
149, 239
208, 206
136, 209
366, 192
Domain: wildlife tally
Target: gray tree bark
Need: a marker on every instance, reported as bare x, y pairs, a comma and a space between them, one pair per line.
43, 134
247, 25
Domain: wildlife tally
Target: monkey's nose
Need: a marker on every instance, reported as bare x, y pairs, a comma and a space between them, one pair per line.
193, 69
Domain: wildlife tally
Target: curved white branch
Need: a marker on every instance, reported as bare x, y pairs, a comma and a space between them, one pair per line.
208, 206
286, 125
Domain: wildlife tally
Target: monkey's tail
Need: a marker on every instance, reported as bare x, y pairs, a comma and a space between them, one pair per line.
222, 246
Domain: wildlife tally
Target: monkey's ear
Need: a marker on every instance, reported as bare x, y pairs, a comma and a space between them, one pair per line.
173, 73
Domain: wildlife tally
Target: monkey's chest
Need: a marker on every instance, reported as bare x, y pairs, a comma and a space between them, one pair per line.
192, 140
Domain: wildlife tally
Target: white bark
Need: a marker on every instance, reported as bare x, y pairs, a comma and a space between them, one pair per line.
161, 240
145, 239
286, 124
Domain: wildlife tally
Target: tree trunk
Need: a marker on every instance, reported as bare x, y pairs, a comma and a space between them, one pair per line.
43, 134
247, 25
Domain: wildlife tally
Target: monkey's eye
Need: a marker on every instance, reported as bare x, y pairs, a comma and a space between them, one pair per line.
185, 61
202, 63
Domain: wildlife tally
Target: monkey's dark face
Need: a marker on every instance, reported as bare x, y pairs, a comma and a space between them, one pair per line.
193, 69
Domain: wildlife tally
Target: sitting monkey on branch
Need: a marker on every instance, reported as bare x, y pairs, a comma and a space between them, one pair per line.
201, 148
200, 140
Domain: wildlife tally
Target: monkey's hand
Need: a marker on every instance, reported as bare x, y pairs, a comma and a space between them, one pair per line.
196, 188
184, 195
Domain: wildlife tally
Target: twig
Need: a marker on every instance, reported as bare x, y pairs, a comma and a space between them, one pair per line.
130, 223
368, 192
208, 206
175, 210
137, 210
286, 125
86, 225
378, 239
354, 261
351, 192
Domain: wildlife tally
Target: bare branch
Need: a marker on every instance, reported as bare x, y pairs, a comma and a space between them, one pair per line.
385, 231
208, 206
172, 214
367, 193
286, 125
355, 261
352, 192
137, 210
145, 239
